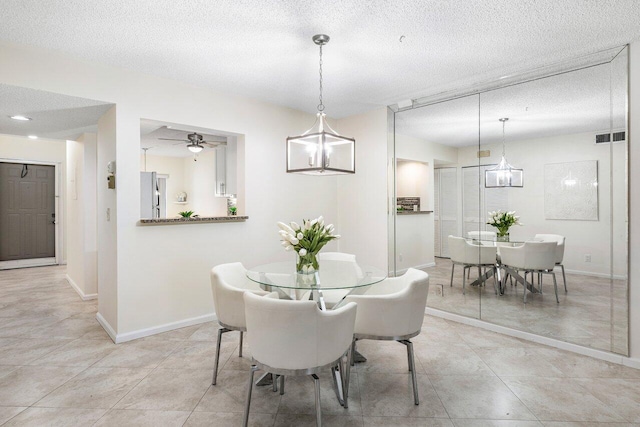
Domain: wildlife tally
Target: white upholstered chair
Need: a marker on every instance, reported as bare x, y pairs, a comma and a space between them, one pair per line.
229, 283
393, 310
532, 257
334, 296
470, 255
485, 237
297, 338
559, 251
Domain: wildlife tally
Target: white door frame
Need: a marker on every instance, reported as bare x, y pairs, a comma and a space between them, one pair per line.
59, 225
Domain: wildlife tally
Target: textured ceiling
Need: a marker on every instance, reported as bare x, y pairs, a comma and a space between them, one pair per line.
575, 102
54, 116
263, 49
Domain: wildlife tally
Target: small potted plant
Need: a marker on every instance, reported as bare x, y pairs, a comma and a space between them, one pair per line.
186, 214
233, 210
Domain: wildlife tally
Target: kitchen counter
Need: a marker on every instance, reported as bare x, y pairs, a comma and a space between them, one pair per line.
196, 220
407, 212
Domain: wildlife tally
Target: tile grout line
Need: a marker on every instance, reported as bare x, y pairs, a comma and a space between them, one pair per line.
136, 385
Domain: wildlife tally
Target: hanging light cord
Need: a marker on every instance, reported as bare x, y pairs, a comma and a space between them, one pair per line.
321, 105
503, 122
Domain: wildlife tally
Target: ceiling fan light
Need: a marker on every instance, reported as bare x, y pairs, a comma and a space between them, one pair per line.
194, 148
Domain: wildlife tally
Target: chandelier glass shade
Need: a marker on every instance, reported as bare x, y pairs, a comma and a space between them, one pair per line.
503, 175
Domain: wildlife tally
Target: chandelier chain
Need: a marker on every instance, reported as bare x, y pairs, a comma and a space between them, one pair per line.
503, 122
321, 105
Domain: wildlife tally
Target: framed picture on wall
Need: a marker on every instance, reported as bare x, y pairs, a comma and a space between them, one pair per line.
571, 190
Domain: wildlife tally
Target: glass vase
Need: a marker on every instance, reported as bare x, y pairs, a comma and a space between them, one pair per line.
503, 237
307, 264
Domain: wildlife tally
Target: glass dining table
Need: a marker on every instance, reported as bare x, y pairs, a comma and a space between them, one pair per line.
333, 275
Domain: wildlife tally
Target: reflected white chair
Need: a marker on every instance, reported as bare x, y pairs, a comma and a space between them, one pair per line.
229, 282
297, 338
484, 237
532, 257
334, 296
559, 251
393, 310
464, 253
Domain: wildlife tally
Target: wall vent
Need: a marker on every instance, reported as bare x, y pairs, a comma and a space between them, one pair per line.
604, 138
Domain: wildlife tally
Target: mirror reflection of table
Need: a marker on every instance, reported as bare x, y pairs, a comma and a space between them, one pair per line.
507, 271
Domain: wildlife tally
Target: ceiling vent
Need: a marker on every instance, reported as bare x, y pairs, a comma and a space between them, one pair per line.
604, 138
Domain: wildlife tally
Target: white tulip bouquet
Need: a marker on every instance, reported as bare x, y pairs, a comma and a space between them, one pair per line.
306, 240
503, 221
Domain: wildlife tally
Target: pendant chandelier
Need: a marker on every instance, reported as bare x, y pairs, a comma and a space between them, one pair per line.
321, 150
503, 175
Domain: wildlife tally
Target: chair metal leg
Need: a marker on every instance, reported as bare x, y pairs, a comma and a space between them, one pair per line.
412, 365
555, 286
464, 280
524, 287
215, 364
247, 404
240, 351
316, 382
281, 385
347, 377
495, 280
453, 267
413, 373
564, 278
353, 352
540, 282
274, 382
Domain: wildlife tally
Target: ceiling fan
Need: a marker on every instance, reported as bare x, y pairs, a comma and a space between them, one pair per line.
196, 142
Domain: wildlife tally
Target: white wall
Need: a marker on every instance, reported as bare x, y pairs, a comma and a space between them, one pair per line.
107, 221
81, 215
634, 200
200, 182
415, 233
362, 197
13, 147
160, 275
582, 237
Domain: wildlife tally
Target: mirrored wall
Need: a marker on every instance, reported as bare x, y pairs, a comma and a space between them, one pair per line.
549, 150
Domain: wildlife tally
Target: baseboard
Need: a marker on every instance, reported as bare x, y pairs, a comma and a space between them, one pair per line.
141, 333
562, 345
417, 267
83, 296
592, 274
25, 263
107, 327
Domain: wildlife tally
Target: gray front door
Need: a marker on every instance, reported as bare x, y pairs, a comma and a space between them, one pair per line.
27, 211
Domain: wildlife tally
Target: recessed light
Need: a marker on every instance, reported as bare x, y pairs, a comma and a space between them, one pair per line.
20, 118
33, 137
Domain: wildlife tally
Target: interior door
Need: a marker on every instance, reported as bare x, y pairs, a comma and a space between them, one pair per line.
27, 211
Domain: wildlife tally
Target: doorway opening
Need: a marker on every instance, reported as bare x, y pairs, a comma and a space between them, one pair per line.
28, 211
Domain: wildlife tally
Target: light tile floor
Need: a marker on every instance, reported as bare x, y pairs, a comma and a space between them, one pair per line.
583, 316
58, 367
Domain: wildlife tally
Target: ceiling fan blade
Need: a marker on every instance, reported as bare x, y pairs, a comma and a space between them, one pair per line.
210, 144
174, 139
179, 143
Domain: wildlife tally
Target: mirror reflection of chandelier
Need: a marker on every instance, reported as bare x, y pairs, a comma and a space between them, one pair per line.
321, 150
503, 175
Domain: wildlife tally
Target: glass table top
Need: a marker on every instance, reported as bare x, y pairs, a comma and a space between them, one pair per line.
497, 242
331, 275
